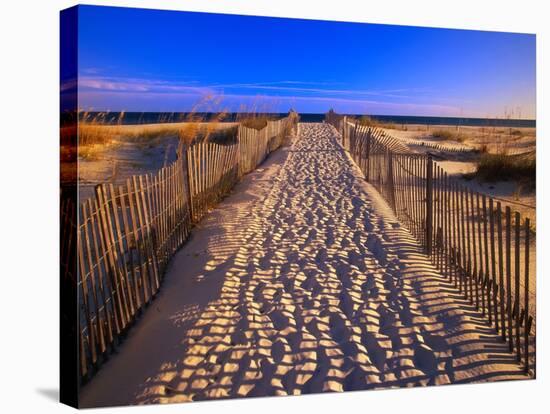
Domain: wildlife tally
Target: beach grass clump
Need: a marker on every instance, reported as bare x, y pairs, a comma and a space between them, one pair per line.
446, 135
483, 148
369, 121
214, 132
502, 167
366, 120
254, 121
223, 136
101, 128
94, 134
293, 119
393, 125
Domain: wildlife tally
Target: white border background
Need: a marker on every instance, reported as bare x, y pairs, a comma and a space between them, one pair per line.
29, 55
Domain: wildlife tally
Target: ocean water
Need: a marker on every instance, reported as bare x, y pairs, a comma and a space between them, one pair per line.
160, 117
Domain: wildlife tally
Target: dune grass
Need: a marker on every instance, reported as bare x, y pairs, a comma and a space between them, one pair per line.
100, 130
254, 121
215, 133
445, 135
366, 120
502, 167
92, 134
294, 118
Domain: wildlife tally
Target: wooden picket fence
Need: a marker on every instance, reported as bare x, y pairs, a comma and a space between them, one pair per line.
442, 147
213, 170
255, 145
67, 236
127, 234
484, 248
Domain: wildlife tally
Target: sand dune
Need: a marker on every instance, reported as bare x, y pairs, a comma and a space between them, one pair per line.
301, 281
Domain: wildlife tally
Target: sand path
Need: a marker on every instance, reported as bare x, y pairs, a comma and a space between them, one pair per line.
301, 281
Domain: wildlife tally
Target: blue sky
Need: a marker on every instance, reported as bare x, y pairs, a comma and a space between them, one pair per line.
149, 60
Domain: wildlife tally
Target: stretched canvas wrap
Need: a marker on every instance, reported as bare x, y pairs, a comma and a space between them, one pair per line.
257, 206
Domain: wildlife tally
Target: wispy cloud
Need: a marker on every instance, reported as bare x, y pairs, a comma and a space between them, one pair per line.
286, 86
97, 91
135, 85
68, 85
280, 87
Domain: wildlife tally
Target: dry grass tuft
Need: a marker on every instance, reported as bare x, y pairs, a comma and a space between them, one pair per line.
96, 131
372, 122
215, 133
254, 121
445, 135
483, 148
497, 167
289, 130
368, 121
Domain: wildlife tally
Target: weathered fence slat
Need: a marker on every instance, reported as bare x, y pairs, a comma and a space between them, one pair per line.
526, 295
127, 233
472, 239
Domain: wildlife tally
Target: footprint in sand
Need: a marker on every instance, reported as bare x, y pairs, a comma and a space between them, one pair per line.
345, 243
376, 247
289, 381
265, 262
346, 304
263, 385
258, 291
389, 282
317, 289
278, 350
436, 342
279, 320
338, 329
313, 328
239, 376
315, 383
356, 379
238, 337
295, 340
288, 282
329, 237
424, 359
369, 227
375, 352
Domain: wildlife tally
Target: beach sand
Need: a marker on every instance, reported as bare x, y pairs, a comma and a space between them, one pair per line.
301, 281
513, 140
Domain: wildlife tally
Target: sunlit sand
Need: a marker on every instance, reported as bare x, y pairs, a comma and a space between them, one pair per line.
301, 281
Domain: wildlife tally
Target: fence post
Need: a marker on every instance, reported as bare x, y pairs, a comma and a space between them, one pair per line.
239, 149
344, 138
429, 204
369, 136
391, 184
190, 189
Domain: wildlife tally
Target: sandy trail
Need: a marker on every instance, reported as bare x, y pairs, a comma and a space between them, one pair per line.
301, 281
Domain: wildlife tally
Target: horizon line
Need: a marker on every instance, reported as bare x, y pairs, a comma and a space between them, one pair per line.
308, 113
